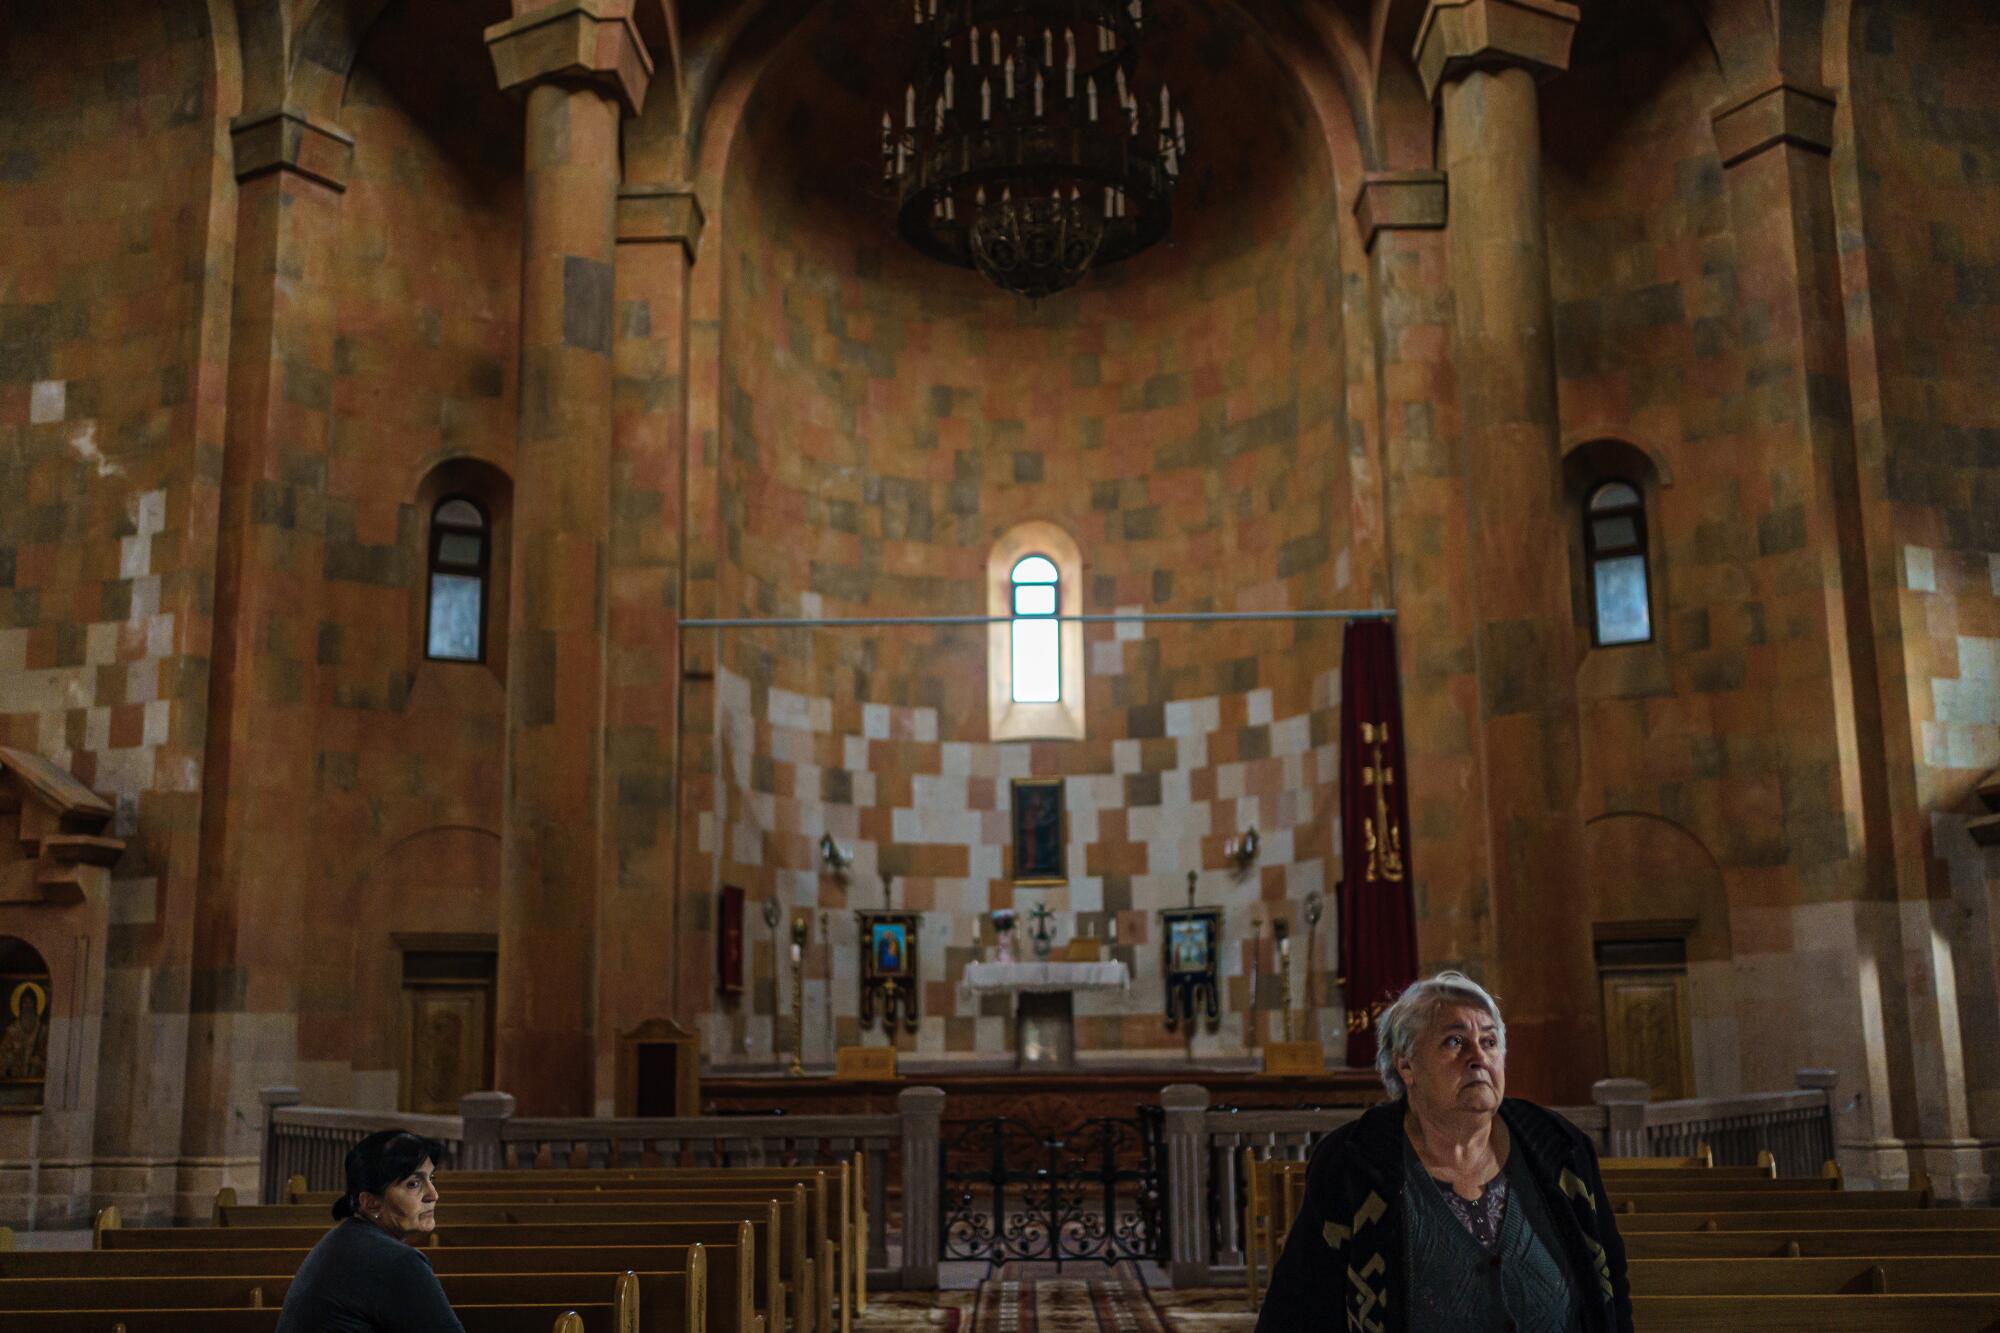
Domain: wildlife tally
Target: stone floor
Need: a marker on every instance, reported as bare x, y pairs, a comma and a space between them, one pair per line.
1036, 1298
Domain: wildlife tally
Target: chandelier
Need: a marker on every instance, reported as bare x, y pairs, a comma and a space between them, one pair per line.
1024, 148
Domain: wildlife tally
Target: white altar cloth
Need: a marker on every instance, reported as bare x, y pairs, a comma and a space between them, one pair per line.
1106, 975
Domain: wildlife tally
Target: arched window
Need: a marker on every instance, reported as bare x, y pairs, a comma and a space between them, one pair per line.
1037, 642
1614, 544
1034, 658
461, 545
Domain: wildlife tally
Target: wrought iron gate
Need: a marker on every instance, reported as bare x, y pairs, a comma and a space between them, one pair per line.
1011, 1193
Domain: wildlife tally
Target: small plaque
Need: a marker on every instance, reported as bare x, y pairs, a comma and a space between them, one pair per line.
1294, 1058
1084, 951
867, 1062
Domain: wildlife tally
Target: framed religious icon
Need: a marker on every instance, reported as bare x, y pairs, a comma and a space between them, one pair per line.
729, 940
24, 1026
889, 968
1038, 831
1190, 938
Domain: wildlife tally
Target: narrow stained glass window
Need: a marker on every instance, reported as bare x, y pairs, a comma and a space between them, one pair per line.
1037, 665
1614, 538
459, 547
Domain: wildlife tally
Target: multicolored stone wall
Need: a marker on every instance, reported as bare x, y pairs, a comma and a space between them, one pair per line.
407, 776
883, 421
112, 292
910, 793
1926, 188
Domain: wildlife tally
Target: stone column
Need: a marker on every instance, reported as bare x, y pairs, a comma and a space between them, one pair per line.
1401, 217
581, 66
250, 976
1774, 138
1480, 59
642, 952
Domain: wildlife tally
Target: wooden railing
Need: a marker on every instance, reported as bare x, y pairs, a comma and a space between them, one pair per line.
1205, 1149
312, 1141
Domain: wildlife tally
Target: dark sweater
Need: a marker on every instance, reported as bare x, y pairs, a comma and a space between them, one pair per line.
1348, 1247
361, 1279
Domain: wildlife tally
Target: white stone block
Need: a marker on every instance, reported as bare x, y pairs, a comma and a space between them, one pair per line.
789, 710
875, 721
150, 514
955, 759
97, 729
1125, 756
1919, 569
1107, 657
135, 557
1130, 631
158, 717
1291, 736
160, 635
48, 400
924, 725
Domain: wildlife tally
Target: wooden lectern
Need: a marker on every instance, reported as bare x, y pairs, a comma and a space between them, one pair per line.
659, 1070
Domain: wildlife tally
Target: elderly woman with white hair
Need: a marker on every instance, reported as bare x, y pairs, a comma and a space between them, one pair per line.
1452, 1207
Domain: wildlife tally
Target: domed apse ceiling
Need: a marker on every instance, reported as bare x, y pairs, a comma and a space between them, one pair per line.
809, 145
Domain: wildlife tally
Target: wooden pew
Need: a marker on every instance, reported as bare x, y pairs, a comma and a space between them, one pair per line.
668, 1302
1818, 1219
792, 1235
1770, 1201
731, 1269
1875, 1274
719, 1230
838, 1245
477, 1319
1669, 1182
1779, 1243
1823, 1314
819, 1189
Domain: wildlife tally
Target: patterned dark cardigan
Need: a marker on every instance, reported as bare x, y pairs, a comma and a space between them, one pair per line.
1346, 1246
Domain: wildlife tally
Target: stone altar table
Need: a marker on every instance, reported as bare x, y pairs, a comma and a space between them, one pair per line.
1044, 1013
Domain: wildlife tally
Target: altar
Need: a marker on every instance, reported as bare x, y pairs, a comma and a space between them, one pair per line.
1044, 1007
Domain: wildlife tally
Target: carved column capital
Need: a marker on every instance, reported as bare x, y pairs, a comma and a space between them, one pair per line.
1399, 201
289, 140
1461, 35
660, 214
1777, 113
593, 43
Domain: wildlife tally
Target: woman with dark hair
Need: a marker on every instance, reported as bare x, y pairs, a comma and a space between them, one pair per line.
365, 1275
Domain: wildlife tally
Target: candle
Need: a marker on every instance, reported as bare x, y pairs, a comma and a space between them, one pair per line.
1111, 927
798, 952
1038, 94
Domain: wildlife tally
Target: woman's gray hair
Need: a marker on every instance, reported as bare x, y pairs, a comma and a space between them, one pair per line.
1397, 1030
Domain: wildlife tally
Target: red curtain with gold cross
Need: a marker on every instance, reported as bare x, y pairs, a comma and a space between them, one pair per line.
1378, 933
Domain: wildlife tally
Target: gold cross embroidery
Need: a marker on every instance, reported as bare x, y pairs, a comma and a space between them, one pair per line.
1385, 851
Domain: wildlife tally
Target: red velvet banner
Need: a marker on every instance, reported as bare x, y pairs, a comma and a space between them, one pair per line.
1378, 933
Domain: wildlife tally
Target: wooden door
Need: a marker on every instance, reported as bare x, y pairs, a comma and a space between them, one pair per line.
1646, 1030
446, 1053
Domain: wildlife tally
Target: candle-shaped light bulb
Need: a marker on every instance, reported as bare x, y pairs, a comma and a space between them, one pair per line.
1007, 74
1180, 133
939, 123
1090, 88
1119, 73
986, 99
979, 197
910, 107
1069, 62
1048, 49
975, 44
933, 9
1166, 115
949, 103
1038, 94
1111, 927
995, 36
1107, 201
